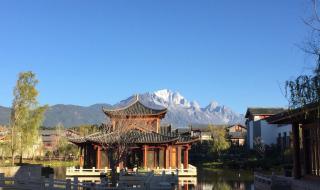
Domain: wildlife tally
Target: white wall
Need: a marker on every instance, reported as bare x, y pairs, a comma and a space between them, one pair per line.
269, 132
268, 135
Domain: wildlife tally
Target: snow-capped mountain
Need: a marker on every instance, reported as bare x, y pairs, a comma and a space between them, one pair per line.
181, 112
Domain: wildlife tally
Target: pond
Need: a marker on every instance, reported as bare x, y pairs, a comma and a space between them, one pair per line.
206, 179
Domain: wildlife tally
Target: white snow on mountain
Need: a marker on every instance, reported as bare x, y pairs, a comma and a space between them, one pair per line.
182, 112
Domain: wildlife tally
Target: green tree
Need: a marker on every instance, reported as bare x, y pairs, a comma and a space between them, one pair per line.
84, 130
64, 147
26, 114
219, 142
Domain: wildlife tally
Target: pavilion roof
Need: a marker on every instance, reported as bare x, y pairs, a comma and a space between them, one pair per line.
133, 137
306, 114
134, 108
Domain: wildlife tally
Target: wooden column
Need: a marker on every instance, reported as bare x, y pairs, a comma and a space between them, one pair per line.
174, 157
170, 156
296, 151
178, 149
156, 157
158, 125
81, 157
98, 163
145, 156
186, 157
185, 185
167, 157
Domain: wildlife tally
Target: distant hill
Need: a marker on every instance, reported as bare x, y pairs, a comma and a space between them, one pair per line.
71, 115
4, 115
68, 115
180, 113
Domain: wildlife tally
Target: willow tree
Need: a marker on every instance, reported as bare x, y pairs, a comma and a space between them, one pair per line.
26, 115
305, 89
219, 139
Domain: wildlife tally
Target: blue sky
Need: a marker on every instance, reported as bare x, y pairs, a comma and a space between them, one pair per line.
238, 53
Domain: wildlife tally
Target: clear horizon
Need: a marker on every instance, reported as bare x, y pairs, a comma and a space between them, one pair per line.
236, 53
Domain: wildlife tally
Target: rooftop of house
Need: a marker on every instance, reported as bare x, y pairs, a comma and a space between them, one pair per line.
262, 111
242, 126
182, 130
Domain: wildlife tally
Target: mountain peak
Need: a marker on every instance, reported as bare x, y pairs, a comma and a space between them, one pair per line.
170, 98
212, 106
181, 112
164, 94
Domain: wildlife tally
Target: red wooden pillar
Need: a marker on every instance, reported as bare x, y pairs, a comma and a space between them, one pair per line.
155, 157
167, 157
186, 157
145, 156
178, 161
185, 186
170, 156
98, 164
296, 151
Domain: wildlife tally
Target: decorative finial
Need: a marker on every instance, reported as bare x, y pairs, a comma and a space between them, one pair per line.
137, 97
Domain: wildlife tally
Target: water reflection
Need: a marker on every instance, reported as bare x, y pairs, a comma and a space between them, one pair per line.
219, 180
206, 180
59, 173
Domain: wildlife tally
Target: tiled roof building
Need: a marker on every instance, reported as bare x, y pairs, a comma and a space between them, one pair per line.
136, 126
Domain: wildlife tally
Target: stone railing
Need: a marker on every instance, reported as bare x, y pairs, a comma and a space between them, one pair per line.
73, 171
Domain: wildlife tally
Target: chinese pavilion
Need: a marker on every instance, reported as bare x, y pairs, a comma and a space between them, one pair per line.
305, 138
149, 147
